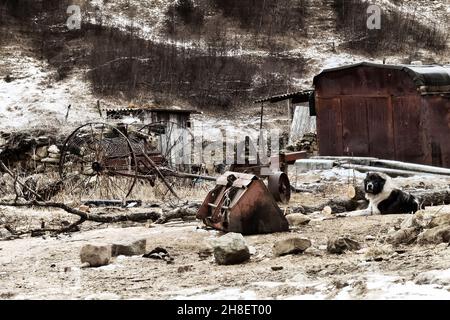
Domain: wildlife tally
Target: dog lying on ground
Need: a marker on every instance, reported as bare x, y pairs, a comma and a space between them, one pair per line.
384, 198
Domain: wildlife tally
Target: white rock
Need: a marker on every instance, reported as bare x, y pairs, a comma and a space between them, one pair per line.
297, 219
96, 255
230, 249
53, 149
291, 246
135, 248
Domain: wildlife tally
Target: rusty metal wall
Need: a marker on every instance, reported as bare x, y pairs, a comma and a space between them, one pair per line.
377, 112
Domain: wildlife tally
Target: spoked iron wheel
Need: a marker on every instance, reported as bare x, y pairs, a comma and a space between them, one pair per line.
97, 162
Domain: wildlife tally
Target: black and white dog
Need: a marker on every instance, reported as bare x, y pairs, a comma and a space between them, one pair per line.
384, 198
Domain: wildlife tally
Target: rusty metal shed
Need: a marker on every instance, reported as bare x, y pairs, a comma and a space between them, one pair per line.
399, 112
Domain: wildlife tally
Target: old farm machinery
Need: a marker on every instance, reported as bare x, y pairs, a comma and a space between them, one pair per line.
113, 161
105, 161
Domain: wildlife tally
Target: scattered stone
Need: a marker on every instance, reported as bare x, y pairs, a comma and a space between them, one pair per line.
327, 210
205, 253
252, 250
314, 252
183, 269
4, 234
231, 249
341, 244
378, 253
96, 255
136, 248
53, 149
440, 220
159, 254
422, 219
440, 277
435, 236
442, 246
297, 219
340, 284
42, 152
84, 208
277, 268
291, 246
370, 238
403, 236
52, 265
54, 156
409, 222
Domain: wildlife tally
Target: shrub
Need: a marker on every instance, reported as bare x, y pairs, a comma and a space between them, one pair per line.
405, 31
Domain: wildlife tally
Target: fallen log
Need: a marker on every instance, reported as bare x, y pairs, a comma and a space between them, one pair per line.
101, 217
183, 212
432, 198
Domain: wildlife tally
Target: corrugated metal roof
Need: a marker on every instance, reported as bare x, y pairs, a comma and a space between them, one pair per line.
299, 96
168, 110
428, 78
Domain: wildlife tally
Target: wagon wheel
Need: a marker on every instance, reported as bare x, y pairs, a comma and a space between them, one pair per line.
98, 162
172, 153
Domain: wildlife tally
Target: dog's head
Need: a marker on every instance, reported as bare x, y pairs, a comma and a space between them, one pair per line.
374, 182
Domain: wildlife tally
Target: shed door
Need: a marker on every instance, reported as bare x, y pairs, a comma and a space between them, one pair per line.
329, 128
354, 126
407, 127
380, 128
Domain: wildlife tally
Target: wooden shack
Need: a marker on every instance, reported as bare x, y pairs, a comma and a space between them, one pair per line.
398, 112
181, 117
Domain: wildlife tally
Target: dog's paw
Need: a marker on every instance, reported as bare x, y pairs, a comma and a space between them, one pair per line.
341, 215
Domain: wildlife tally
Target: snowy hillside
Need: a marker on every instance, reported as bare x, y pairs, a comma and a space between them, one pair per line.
195, 54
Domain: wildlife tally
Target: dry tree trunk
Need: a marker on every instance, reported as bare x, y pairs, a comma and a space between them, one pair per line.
184, 212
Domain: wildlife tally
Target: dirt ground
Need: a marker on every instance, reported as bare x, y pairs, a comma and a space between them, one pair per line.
49, 267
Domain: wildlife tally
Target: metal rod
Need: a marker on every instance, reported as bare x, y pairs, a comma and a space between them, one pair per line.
152, 163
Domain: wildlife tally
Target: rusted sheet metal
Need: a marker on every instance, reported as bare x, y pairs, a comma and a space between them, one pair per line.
291, 157
242, 180
246, 208
379, 111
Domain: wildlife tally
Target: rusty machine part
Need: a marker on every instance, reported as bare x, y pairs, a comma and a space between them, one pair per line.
278, 181
280, 187
242, 203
